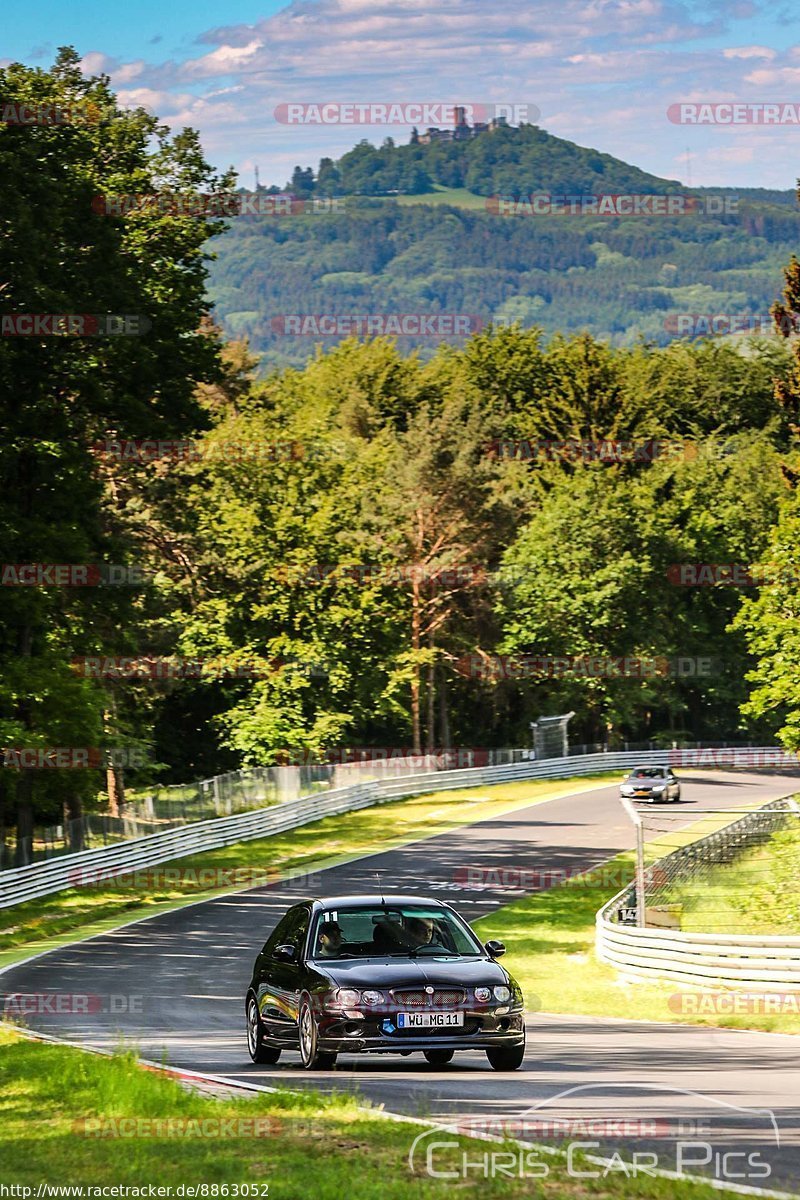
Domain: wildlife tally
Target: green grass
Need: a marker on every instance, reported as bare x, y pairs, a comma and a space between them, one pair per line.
551, 936
40, 924
307, 1145
458, 197
759, 893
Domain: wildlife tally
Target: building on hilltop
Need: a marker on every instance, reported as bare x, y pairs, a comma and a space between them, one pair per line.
461, 130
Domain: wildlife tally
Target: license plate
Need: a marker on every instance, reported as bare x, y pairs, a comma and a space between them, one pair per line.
429, 1020
641, 792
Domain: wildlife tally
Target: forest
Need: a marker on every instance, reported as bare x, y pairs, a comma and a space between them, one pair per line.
209, 561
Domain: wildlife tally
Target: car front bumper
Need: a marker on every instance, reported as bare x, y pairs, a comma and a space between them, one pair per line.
481, 1031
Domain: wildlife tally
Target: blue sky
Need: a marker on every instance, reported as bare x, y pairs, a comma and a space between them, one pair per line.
601, 72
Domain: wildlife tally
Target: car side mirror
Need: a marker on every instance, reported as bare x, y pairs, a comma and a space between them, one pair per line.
286, 953
494, 949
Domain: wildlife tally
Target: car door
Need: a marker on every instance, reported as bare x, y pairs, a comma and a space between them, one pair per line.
279, 980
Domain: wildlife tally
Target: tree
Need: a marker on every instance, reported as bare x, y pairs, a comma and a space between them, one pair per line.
771, 620
61, 253
302, 183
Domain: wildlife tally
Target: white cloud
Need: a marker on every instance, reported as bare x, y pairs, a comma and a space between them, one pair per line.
749, 52
129, 71
223, 61
602, 72
780, 75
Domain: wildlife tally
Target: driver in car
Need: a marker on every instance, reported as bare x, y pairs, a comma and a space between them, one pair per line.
330, 939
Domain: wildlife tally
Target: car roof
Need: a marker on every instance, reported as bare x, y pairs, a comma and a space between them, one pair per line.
324, 903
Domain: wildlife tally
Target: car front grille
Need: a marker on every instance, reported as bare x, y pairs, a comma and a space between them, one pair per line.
470, 1026
440, 998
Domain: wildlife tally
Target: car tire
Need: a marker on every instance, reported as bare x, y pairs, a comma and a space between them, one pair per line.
259, 1053
438, 1058
313, 1059
506, 1058
677, 798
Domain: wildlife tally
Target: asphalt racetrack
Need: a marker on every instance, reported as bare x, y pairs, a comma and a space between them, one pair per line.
190, 968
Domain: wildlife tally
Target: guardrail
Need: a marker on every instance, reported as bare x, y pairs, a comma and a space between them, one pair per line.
19, 884
763, 962
158, 809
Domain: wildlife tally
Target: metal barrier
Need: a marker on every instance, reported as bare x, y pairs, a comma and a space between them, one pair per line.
19, 884
765, 962
157, 809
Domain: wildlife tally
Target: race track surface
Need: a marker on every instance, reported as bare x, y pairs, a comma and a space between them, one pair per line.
175, 984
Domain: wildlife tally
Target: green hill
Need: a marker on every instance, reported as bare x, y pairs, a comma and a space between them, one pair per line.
442, 247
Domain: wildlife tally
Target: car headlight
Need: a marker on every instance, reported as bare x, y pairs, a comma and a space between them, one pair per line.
371, 997
483, 995
626, 789
503, 994
659, 787
343, 998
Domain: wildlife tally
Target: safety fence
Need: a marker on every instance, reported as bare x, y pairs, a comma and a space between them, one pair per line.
19, 884
157, 809
638, 945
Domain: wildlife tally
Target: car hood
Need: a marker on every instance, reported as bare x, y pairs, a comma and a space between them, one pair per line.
411, 972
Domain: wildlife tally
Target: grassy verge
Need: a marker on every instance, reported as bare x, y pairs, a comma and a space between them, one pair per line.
40, 924
70, 1118
551, 937
758, 893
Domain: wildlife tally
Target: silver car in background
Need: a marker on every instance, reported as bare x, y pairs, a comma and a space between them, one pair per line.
653, 785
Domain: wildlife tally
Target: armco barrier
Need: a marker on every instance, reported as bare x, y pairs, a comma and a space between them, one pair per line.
707, 960
19, 884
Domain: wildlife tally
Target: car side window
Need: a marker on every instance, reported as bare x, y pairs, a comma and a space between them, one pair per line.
282, 932
291, 930
300, 932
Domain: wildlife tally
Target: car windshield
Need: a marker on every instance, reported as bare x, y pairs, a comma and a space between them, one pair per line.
405, 931
648, 773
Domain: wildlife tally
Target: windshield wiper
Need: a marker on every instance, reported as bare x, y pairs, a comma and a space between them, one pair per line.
436, 949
